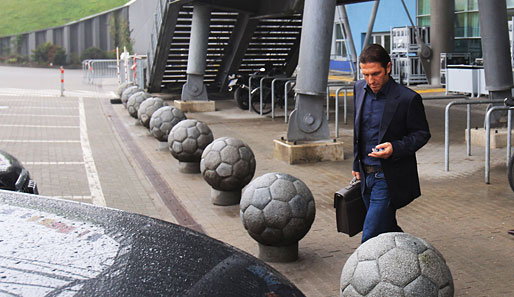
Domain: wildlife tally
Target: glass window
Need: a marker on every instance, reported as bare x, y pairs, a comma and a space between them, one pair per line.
472, 46
460, 25
473, 25
473, 5
339, 31
341, 49
461, 5
424, 21
387, 43
424, 7
510, 3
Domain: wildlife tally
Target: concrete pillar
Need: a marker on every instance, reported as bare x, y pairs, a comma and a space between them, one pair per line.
81, 38
31, 43
66, 42
95, 28
442, 34
109, 40
194, 88
14, 50
496, 52
50, 36
308, 121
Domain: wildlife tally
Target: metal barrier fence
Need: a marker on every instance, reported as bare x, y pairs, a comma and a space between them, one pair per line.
131, 69
98, 69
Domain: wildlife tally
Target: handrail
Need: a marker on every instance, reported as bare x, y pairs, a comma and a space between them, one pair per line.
273, 92
447, 126
333, 84
250, 89
488, 137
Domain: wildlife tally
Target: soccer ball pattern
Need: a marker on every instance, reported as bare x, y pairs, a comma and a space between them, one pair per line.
135, 101
188, 139
227, 164
123, 87
396, 264
163, 119
129, 92
147, 108
277, 209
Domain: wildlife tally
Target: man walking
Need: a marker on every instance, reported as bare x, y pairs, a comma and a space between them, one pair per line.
389, 127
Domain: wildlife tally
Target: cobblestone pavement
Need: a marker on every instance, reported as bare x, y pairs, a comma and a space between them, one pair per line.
458, 213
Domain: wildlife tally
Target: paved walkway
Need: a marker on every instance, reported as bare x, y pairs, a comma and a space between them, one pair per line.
458, 213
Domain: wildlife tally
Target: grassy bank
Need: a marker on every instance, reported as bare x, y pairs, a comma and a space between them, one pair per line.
17, 16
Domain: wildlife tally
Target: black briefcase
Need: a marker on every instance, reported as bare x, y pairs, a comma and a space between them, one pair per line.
350, 209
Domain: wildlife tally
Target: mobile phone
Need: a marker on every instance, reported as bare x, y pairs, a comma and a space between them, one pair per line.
375, 150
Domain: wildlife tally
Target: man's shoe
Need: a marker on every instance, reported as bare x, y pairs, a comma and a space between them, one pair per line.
511, 232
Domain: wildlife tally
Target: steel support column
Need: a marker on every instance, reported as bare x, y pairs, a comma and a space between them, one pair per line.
194, 88
308, 122
495, 49
371, 23
349, 37
441, 35
234, 52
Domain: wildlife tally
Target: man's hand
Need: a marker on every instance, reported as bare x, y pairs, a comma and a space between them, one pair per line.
356, 174
383, 151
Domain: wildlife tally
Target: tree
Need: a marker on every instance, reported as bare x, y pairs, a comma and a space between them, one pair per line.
120, 31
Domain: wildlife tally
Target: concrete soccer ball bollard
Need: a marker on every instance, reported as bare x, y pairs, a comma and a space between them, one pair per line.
163, 119
147, 108
227, 164
123, 87
135, 101
129, 92
396, 264
186, 141
277, 210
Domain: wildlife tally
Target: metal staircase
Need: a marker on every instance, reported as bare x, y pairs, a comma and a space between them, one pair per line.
239, 43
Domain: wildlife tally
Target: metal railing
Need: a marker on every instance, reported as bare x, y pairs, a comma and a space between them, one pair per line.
447, 126
488, 137
92, 70
286, 90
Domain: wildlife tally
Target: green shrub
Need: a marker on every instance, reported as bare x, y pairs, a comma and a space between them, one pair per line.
59, 57
14, 59
93, 53
50, 54
41, 53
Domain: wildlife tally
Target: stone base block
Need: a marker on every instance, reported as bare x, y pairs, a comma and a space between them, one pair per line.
498, 137
189, 167
278, 253
225, 198
195, 106
308, 152
163, 146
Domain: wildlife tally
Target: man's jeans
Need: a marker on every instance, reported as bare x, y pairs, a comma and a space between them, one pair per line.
381, 216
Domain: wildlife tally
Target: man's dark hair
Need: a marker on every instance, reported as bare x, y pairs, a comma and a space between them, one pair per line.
375, 53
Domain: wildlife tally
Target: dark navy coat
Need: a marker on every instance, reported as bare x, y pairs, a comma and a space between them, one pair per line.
405, 126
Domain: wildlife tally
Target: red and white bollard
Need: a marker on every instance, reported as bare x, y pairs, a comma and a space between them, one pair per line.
62, 81
134, 67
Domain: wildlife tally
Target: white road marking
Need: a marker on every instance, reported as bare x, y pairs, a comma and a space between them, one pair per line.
92, 174
37, 115
44, 107
73, 197
38, 141
39, 126
53, 163
15, 92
